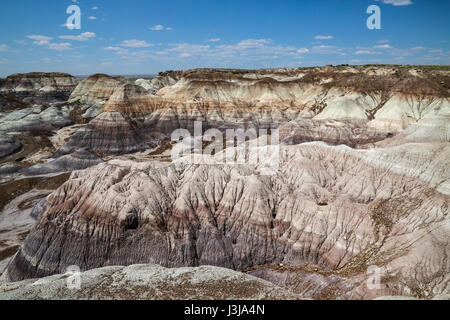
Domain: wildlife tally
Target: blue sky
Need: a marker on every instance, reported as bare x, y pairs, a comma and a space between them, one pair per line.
148, 36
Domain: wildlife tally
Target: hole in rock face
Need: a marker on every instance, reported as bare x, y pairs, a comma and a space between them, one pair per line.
20, 159
131, 222
322, 204
390, 135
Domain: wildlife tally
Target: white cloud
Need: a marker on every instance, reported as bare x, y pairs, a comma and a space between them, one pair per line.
256, 50
92, 18
160, 27
323, 37
3, 47
40, 40
214, 40
117, 50
136, 56
397, 2
253, 43
112, 48
59, 46
324, 49
157, 27
45, 41
95, 8
186, 49
264, 53
366, 52
411, 52
303, 50
136, 43
82, 37
383, 46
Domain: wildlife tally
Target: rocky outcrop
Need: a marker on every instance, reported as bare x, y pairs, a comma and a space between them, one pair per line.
371, 103
8, 145
362, 179
164, 79
354, 134
43, 118
148, 282
92, 93
78, 160
334, 209
33, 102
9, 169
111, 133
38, 118
26, 132
37, 88
3, 103
79, 106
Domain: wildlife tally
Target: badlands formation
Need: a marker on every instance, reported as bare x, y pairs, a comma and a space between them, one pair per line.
149, 282
356, 208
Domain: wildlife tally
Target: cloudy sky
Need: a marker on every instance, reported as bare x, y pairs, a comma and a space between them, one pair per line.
148, 36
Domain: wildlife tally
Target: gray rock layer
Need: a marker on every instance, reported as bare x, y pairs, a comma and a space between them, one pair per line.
147, 282
336, 208
77, 160
8, 145
38, 87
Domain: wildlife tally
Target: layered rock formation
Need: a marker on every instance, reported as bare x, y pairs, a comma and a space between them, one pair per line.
148, 282
3, 103
362, 180
164, 79
78, 160
92, 93
37, 118
62, 109
34, 115
8, 145
331, 209
52, 101
374, 103
32, 102
36, 88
